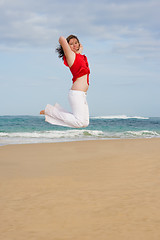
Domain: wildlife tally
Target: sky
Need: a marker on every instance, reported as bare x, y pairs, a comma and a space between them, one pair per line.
120, 38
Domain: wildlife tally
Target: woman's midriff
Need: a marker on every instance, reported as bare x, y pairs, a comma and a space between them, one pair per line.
80, 84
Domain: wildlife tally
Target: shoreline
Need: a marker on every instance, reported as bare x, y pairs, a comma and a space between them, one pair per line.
82, 140
81, 190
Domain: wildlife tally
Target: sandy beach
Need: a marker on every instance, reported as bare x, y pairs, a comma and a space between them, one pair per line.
87, 190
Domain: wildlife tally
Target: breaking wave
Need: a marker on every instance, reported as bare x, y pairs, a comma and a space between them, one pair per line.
71, 135
118, 117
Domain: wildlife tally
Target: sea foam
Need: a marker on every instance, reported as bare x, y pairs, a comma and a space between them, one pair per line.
118, 117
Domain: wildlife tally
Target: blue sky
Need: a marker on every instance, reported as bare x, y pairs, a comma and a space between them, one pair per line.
120, 38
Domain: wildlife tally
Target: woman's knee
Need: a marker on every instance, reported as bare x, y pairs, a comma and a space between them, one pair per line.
86, 123
83, 123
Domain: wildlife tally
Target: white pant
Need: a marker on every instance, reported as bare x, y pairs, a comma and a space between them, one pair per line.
77, 119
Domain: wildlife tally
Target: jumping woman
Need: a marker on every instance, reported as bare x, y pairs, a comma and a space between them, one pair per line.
70, 50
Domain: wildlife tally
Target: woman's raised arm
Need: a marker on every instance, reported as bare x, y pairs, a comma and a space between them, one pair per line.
69, 54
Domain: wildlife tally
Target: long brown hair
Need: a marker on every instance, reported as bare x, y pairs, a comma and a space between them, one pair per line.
59, 49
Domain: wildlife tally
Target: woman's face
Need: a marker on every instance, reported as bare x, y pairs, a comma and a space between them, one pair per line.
74, 44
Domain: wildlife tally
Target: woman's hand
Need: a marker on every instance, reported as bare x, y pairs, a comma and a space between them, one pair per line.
80, 49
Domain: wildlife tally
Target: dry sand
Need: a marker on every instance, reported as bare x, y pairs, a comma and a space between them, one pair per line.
89, 190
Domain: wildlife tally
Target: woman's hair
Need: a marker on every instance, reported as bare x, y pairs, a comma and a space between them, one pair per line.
59, 49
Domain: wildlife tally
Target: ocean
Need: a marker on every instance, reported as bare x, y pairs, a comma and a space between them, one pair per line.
33, 129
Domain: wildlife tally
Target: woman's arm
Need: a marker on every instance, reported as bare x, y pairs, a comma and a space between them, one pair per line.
69, 54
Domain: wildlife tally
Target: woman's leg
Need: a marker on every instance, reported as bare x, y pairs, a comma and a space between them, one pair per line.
80, 116
79, 106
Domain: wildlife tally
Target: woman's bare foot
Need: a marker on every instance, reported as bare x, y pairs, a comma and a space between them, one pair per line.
42, 112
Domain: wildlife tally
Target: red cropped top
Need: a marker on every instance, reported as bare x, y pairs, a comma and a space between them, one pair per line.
79, 68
